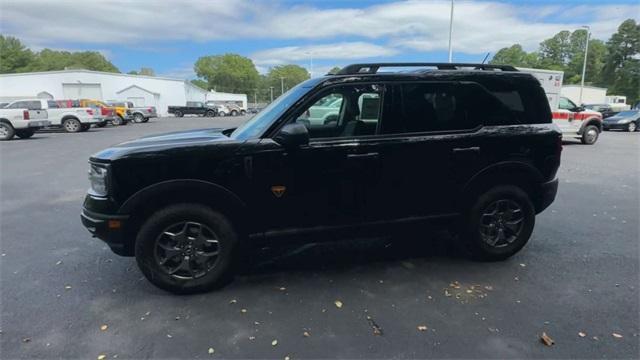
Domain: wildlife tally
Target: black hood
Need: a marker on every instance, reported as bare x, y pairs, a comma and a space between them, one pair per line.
163, 142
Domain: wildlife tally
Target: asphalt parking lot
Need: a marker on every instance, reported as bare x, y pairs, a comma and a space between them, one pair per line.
577, 280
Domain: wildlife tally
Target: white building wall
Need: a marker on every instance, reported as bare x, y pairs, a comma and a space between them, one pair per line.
590, 94
167, 91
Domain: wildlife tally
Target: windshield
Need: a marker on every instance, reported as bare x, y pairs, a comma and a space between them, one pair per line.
262, 120
628, 113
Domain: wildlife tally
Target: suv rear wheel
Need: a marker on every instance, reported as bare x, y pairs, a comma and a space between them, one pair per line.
499, 223
590, 135
186, 248
138, 118
210, 113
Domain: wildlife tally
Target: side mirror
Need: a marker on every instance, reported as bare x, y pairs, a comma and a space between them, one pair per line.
292, 135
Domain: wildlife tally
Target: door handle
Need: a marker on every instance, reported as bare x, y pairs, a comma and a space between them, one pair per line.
371, 155
467, 149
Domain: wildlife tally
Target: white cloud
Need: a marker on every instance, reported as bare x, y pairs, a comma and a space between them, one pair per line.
480, 26
345, 50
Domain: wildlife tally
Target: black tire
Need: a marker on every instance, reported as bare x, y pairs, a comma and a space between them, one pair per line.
149, 255
178, 114
25, 133
85, 127
516, 228
117, 121
138, 118
101, 124
590, 135
243, 112
72, 125
6, 131
632, 127
145, 120
210, 113
234, 113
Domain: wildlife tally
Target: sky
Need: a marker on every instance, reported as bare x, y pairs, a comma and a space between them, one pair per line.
169, 36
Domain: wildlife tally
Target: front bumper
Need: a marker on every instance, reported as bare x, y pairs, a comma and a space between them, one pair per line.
108, 228
547, 195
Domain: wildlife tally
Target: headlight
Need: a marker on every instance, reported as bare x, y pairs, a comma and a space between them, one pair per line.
98, 178
624, 121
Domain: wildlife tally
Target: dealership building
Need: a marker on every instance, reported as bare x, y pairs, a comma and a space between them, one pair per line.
160, 92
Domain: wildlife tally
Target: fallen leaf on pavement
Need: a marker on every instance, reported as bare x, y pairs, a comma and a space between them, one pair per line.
103, 327
211, 351
338, 304
102, 357
377, 330
67, 287
546, 339
581, 334
616, 335
422, 327
233, 301
244, 311
252, 337
306, 334
274, 343
26, 340
283, 288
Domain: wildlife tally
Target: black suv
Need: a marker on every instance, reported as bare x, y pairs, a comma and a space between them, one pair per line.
356, 154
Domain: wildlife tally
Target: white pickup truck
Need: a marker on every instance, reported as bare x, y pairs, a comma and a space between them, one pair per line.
71, 119
21, 122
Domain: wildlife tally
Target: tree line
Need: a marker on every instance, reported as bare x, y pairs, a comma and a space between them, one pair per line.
614, 64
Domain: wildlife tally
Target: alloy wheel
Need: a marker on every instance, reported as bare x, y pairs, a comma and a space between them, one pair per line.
501, 223
187, 250
631, 127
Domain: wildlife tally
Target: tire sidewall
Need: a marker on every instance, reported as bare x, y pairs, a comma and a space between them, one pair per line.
10, 131
25, 134
584, 136
70, 121
210, 114
632, 127
138, 118
478, 247
158, 222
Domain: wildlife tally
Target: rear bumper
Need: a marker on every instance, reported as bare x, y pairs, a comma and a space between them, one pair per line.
108, 228
547, 195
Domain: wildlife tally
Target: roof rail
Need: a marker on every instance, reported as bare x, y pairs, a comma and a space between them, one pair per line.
372, 68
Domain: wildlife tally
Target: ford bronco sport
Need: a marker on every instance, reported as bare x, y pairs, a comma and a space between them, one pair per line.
468, 146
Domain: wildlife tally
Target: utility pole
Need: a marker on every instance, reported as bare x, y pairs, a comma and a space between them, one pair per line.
584, 64
255, 97
271, 88
451, 33
281, 85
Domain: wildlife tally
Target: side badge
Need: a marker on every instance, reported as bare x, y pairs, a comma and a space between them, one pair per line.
278, 190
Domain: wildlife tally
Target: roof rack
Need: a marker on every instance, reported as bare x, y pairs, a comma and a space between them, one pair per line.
372, 68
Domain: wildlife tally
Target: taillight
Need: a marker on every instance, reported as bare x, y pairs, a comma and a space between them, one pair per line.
89, 111
104, 111
25, 115
150, 109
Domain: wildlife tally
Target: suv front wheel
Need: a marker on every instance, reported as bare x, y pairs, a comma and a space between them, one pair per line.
499, 223
186, 248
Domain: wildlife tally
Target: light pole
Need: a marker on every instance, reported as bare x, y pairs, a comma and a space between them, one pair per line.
451, 33
310, 63
281, 85
271, 88
584, 64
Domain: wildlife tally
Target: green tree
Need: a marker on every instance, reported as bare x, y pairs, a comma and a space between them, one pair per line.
334, 70
622, 66
143, 71
285, 77
200, 83
555, 53
13, 55
228, 72
48, 60
515, 56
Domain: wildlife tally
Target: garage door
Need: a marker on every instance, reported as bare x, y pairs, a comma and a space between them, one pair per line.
82, 91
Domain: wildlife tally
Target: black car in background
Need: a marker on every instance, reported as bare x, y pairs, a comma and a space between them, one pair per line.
628, 120
604, 109
467, 146
194, 108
